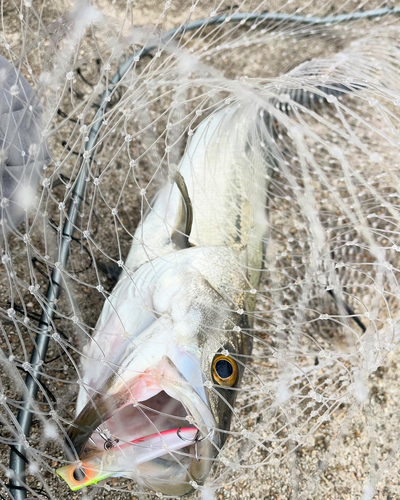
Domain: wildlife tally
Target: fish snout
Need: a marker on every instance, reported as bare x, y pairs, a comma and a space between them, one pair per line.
158, 400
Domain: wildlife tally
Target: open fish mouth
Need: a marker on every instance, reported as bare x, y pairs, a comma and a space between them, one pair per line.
154, 425
159, 414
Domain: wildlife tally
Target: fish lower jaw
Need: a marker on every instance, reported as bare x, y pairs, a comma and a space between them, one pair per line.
160, 461
120, 439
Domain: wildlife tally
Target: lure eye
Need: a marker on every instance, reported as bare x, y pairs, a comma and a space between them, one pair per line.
224, 370
79, 474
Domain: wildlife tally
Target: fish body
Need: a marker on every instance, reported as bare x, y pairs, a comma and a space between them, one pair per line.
172, 341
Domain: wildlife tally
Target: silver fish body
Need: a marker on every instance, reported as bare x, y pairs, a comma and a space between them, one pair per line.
177, 324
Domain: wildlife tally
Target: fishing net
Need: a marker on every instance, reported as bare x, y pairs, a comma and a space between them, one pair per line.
120, 89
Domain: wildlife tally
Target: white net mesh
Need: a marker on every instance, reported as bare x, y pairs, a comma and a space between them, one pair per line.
274, 125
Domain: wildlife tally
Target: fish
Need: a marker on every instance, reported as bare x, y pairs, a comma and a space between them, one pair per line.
171, 344
172, 341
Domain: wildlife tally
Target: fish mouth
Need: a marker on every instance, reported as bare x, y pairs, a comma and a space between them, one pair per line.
158, 401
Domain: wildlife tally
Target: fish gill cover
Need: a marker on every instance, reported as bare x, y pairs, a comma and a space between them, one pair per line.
201, 297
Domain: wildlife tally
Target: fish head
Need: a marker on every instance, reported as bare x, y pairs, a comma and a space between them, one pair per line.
181, 372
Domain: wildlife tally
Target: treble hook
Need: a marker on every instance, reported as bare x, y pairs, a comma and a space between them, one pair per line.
101, 433
108, 442
197, 439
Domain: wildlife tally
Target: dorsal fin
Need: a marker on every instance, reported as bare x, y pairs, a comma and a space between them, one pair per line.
311, 84
314, 96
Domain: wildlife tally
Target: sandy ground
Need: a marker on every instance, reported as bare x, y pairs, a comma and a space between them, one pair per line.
353, 454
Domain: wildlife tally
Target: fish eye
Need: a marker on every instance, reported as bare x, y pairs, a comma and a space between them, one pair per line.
79, 474
224, 370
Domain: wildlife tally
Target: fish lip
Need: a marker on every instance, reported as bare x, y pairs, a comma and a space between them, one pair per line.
96, 411
103, 406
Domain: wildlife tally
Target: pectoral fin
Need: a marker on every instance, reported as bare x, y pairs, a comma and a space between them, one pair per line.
180, 235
